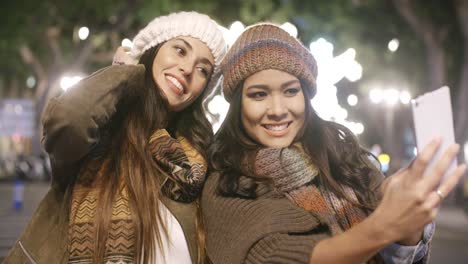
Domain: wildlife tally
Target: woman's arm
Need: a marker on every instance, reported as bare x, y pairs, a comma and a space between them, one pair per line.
71, 121
409, 203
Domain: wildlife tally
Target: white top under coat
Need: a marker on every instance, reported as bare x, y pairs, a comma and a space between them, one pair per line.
174, 246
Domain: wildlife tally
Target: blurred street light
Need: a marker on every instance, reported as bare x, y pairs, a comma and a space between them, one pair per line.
352, 100
384, 160
31, 81
83, 33
391, 96
127, 43
405, 97
393, 45
66, 82
359, 128
348, 65
341, 114
376, 95
331, 70
387, 99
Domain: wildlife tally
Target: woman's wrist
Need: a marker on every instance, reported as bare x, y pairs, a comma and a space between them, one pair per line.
381, 228
411, 240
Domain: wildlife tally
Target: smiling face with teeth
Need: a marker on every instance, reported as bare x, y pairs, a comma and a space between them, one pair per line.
182, 69
273, 108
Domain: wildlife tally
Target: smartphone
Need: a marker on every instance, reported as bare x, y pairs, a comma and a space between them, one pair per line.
432, 116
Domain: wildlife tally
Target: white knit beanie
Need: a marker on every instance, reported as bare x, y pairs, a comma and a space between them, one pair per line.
189, 24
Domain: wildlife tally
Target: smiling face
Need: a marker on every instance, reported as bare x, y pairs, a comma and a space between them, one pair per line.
273, 108
181, 69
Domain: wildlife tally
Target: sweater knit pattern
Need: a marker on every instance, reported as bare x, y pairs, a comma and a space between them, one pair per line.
296, 179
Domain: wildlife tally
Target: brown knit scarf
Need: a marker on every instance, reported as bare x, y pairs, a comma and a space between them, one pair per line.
294, 175
185, 169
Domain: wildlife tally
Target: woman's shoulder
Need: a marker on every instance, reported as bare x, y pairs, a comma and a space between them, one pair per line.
125, 69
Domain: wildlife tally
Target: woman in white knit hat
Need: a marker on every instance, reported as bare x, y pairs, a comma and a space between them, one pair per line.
127, 146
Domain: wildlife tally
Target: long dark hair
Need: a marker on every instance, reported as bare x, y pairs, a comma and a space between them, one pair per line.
331, 146
142, 111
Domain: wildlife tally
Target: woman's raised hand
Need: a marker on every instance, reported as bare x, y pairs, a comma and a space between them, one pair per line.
412, 196
122, 57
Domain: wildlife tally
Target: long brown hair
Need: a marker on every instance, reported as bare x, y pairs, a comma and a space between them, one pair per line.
331, 146
142, 111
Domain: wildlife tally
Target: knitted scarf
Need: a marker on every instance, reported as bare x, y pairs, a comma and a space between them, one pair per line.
293, 174
185, 169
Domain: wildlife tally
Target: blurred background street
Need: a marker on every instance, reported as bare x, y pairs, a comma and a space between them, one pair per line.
450, 244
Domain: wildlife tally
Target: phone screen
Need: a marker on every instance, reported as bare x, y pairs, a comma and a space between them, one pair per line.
432, 116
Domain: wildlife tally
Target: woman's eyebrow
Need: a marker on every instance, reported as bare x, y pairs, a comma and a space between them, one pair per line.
185, 42
288, 83
258, 86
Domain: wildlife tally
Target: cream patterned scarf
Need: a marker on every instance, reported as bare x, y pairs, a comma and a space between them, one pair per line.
180, 161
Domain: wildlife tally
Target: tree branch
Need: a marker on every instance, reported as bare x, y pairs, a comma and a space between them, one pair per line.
87, 50
417, 24
52, 34
432, 39
461, 118
461, 6
30, 59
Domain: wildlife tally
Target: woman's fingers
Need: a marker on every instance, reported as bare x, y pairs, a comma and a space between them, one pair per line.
436, 197
437, 172
422, 160
121, 57
447, 186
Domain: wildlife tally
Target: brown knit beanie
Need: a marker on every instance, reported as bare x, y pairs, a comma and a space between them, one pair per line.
267, 46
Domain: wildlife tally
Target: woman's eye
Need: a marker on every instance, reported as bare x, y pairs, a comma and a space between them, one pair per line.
203, 71
257, 95
292, 91
181, 51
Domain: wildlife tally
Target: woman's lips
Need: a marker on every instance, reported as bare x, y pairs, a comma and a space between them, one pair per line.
175, 85
277, 130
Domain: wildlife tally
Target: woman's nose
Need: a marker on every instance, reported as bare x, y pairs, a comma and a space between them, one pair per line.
186, 67
277, 108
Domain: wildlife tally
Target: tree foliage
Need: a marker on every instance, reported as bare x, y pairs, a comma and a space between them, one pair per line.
39, 38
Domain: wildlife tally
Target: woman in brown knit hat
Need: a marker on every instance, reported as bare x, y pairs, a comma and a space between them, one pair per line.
289, 187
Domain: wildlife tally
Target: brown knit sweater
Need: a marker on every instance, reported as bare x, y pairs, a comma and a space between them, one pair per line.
269, 229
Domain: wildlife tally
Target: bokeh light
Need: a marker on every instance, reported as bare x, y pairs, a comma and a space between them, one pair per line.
352, 100
68, 81
83, 33
393, 45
